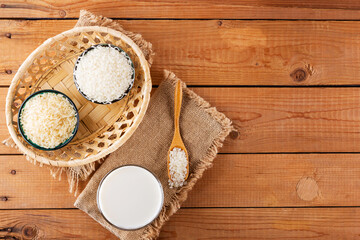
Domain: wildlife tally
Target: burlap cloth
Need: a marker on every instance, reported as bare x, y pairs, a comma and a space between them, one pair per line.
203, 129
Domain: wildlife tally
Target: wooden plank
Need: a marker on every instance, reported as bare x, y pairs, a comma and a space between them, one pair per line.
50, 224
289, 119
220, 52
338, 223
279, 119
4, 133
235, 180
230, 9
317, 223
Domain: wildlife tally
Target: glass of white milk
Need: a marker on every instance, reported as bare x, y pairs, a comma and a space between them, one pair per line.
130, 197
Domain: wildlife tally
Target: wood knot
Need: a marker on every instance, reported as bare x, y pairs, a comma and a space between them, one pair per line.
29, 232
13, 172
220, 23
4, 199
299, 75
7, 229
307, 189
3, 5
8, 35
8, 71
234, 134
62, 13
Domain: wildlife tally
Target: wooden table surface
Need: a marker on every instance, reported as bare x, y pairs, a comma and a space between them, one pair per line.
286, 72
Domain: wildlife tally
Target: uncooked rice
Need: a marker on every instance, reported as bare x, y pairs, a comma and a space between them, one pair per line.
48, 119
177, 167
104, 74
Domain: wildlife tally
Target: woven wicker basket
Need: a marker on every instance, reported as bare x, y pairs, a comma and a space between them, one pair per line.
102, 128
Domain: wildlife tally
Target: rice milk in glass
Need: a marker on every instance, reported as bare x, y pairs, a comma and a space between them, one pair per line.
130, 197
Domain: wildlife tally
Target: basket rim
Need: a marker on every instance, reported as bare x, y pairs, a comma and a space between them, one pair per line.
24, 66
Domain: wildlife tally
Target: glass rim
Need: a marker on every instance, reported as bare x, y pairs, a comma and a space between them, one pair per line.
98, 192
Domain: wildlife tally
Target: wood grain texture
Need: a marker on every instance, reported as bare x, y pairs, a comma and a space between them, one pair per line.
335, 223
323, 223
279, 119
225, 52
50, 224
4, 133
230, 9
267, 195
289, 119
235, 180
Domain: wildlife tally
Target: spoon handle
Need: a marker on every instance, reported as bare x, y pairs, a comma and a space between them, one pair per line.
177, 106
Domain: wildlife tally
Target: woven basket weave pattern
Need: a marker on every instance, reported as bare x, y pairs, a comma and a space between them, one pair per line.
102, 128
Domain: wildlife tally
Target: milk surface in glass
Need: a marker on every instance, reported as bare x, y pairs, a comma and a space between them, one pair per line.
130, 197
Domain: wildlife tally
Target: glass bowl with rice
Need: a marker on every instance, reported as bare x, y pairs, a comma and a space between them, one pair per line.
48, 120
104, 74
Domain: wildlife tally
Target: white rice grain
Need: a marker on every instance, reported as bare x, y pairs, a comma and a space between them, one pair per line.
177, 167
104, 74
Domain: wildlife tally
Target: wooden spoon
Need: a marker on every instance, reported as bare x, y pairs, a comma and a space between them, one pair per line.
177, 141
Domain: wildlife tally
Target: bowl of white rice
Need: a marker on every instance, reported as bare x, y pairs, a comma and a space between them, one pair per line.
48, 120
104, 74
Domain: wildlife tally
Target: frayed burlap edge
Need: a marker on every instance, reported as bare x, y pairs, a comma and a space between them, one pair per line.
153, 230
81, 173
89, 19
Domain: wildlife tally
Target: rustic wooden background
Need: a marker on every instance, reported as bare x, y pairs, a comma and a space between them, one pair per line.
287, 74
